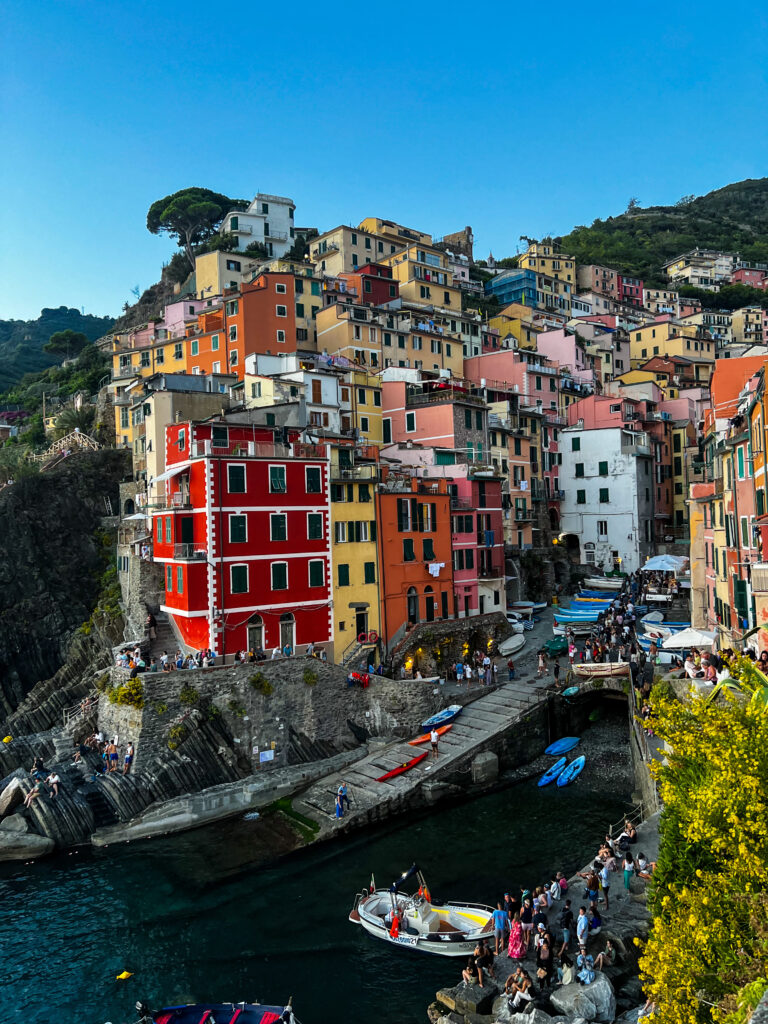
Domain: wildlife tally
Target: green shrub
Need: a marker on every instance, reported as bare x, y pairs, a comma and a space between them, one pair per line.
236, 709
131, 694
188, 694
176, 736
310, 677
261, 684
212, 712
161, 708
104, 683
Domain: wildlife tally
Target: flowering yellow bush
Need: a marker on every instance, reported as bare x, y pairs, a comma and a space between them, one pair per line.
709, 937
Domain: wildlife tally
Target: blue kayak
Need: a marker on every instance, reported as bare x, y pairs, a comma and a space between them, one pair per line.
571, 691
563, 746
552, 773
442, 717
569, 774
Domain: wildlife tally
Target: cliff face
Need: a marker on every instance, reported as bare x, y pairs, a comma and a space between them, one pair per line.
51, 561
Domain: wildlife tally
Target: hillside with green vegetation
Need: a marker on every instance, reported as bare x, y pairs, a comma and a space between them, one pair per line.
639, 241
22, 341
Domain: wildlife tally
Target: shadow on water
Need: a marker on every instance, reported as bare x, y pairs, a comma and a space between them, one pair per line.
206, 916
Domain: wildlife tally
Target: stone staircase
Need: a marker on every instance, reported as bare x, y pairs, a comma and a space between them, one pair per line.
477, 723
166, 639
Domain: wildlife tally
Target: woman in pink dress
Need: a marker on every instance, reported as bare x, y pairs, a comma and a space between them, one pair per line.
516, 947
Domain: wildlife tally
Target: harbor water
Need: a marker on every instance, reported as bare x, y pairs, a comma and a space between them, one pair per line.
206, 915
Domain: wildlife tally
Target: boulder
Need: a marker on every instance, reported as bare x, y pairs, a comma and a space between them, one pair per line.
23, 845
502, 1013
14, 823
593, 1002
11, 797
469, 998
630, 1017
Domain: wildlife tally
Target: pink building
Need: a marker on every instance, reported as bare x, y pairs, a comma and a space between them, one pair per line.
445, 414
630, 290
752, 278
562, 347
179, 314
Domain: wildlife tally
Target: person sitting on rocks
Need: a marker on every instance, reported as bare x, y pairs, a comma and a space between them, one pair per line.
38, 770
53, 781
471, 974
483, 958
607, 958
586, 968
521, 991
595, 921
566, 972
33, 794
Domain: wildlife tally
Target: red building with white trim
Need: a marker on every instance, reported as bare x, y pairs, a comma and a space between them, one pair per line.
241, 526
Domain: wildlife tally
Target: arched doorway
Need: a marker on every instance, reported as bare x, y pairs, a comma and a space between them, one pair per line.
413, 605
255, 633
129, 508
554, 520
288, 630
572, 548
429, 604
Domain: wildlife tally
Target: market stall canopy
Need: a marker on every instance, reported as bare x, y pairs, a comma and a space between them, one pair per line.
664, 563
689, 638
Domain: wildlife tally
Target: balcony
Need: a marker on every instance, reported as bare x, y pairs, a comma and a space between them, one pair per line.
173, 502
442, 395
491, 572
190, 551
242, 229
460, 504
206, 449
280, 236
524, 515
355, 472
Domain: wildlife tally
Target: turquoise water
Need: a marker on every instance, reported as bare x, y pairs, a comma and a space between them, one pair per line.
199, 916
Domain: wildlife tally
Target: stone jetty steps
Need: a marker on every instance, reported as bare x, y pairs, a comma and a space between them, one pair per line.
478, 723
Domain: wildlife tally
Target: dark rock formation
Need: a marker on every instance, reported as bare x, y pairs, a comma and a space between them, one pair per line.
50, 564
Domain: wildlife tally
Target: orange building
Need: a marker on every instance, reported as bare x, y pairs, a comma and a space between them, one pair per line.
414, 554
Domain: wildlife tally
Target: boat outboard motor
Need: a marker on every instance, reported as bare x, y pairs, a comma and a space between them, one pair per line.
145, 1014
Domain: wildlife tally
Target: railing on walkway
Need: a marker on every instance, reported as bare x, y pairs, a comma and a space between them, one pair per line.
76, 711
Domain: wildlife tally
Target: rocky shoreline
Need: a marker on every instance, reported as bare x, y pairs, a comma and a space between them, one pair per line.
615, 994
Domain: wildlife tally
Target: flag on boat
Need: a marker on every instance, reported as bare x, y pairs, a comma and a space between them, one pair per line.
373, 883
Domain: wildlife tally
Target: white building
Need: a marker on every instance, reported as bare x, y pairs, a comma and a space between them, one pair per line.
268, 219
320, 389
607, 512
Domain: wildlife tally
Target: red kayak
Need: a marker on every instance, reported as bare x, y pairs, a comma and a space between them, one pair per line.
401, 768
425, 738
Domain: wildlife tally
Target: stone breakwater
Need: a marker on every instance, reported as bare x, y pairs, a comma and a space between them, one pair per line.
616, 993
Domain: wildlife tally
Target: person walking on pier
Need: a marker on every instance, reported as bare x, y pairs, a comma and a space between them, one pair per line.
499, 926
343, 795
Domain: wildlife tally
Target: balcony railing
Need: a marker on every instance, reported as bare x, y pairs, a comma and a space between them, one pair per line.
281, 235
523, 515
254, 449
367, 472
442, 396
189, 550
491, 572
458, 504
179, 500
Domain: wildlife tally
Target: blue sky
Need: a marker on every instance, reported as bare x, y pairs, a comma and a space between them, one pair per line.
516, 119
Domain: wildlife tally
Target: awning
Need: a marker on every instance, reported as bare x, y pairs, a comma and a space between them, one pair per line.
173, 471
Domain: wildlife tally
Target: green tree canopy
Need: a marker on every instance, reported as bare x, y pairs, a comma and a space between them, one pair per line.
191, 216
67, 343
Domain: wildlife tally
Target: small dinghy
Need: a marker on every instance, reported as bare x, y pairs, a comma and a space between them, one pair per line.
570, 691
402, 768
425, 738
419, 921
601, 668
563, 745
513, 643
442, 717
569, 773
552, 773
212, 1013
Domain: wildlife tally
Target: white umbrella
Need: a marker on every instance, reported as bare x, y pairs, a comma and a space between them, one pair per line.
664, 563
135, 517
689, 637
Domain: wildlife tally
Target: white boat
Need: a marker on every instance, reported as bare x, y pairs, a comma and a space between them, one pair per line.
602, 583
418, 922
512, 644
577, 628
602, 668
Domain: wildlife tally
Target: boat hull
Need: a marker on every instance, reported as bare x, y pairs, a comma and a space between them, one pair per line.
603, 668
442, 717
248, 1013
512, 644
552, 773
562, 746
571, 771
599, 583
446, 940
425, 739
402, 768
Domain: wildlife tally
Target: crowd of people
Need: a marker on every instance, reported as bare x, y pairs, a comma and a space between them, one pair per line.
544, 926
114, 756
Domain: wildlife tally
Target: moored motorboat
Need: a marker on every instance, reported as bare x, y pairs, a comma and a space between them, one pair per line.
603, 583
420, 922
218, 1013
442, 717
539, 606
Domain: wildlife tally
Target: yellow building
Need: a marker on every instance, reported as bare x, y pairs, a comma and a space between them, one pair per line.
130, 363
394, 233
667, 338
425, 277
361, 406
354, 551
747, 326
544, 259
217, 271
344, 249
514, 321
375, 339
683, 447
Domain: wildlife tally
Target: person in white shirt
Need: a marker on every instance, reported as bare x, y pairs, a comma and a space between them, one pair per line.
433, 739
